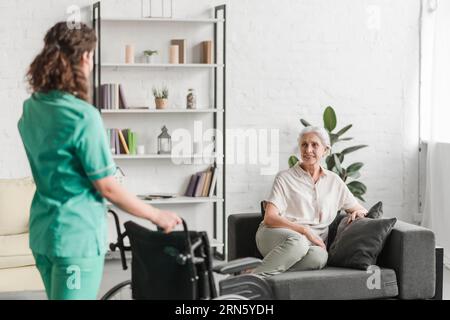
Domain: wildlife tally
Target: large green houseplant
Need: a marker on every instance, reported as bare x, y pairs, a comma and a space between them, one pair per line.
335, 159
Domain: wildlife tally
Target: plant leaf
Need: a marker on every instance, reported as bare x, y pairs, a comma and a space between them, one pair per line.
330, 162
333, 138
329, 119
292, 161
355, 167
344, 130
344, 175
345, 139
354, 174
338, 164
360, 198
356, 191
305, 123
353, 149
358, 187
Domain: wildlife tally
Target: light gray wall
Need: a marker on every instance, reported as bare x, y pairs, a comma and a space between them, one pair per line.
286, 60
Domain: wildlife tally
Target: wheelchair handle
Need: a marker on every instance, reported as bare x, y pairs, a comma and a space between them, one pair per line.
182, 260
185, 228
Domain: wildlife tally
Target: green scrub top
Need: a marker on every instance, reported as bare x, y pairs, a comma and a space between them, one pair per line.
67, 148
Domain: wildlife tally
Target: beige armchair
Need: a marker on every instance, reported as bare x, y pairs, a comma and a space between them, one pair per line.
17, 266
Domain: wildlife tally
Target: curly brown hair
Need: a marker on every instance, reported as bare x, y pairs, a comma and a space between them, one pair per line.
58, 65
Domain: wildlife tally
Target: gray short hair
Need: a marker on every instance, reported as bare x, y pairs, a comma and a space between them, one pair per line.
320, 132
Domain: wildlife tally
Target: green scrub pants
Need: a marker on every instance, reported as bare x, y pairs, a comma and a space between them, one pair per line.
70, 278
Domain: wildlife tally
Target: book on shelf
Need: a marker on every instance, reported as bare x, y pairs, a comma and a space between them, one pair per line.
131, 139
207, 183
193, 184
126, 136
202, 184
190, 188
112, 97
122, 141
213, 182
123, 146
117, 141
122, 101
108, 136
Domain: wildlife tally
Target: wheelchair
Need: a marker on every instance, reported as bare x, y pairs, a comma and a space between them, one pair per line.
178, 266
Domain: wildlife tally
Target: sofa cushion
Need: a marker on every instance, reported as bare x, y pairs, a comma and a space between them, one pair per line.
358, 244
15, 251
20, 279
333, 283
15, 202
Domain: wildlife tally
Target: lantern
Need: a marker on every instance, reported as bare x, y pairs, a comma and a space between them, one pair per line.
164, 142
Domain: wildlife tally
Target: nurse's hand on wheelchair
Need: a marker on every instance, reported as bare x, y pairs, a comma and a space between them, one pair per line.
166, 220
120, 197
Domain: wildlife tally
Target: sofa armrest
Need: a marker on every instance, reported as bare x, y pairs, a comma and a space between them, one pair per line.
410, 251
241, 235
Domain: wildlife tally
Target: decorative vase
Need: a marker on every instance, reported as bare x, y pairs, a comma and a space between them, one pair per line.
129, 54
149, 59
174, 54
160, 103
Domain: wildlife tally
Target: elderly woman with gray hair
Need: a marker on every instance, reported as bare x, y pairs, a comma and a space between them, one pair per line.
303, 202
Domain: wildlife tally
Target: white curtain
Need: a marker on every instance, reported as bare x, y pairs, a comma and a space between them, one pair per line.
435, 117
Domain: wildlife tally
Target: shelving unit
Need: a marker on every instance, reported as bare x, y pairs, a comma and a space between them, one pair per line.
155, 111
161, 65
183, 200
169, 20
217, 109
161, 156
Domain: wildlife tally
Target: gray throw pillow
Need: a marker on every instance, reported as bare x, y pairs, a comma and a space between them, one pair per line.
376, 212
358, 244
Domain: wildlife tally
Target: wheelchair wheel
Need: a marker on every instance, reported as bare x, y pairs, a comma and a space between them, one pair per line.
122, 291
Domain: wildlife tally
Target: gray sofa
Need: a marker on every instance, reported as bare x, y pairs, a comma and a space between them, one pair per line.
407, 266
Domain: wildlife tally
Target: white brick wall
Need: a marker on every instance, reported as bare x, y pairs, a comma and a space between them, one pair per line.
286, 60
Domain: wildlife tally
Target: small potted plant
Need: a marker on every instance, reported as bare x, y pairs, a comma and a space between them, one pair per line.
161, 97
149, 54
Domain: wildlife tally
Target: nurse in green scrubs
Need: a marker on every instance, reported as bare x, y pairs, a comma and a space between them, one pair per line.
72, 165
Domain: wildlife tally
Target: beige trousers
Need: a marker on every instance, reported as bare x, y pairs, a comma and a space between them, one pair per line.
286, 250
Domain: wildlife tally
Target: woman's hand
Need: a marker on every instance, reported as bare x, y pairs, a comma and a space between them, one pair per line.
167, 220
360, 213
316, 240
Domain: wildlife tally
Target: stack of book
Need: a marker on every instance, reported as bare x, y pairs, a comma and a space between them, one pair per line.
122, 141
112, 97
202, 184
